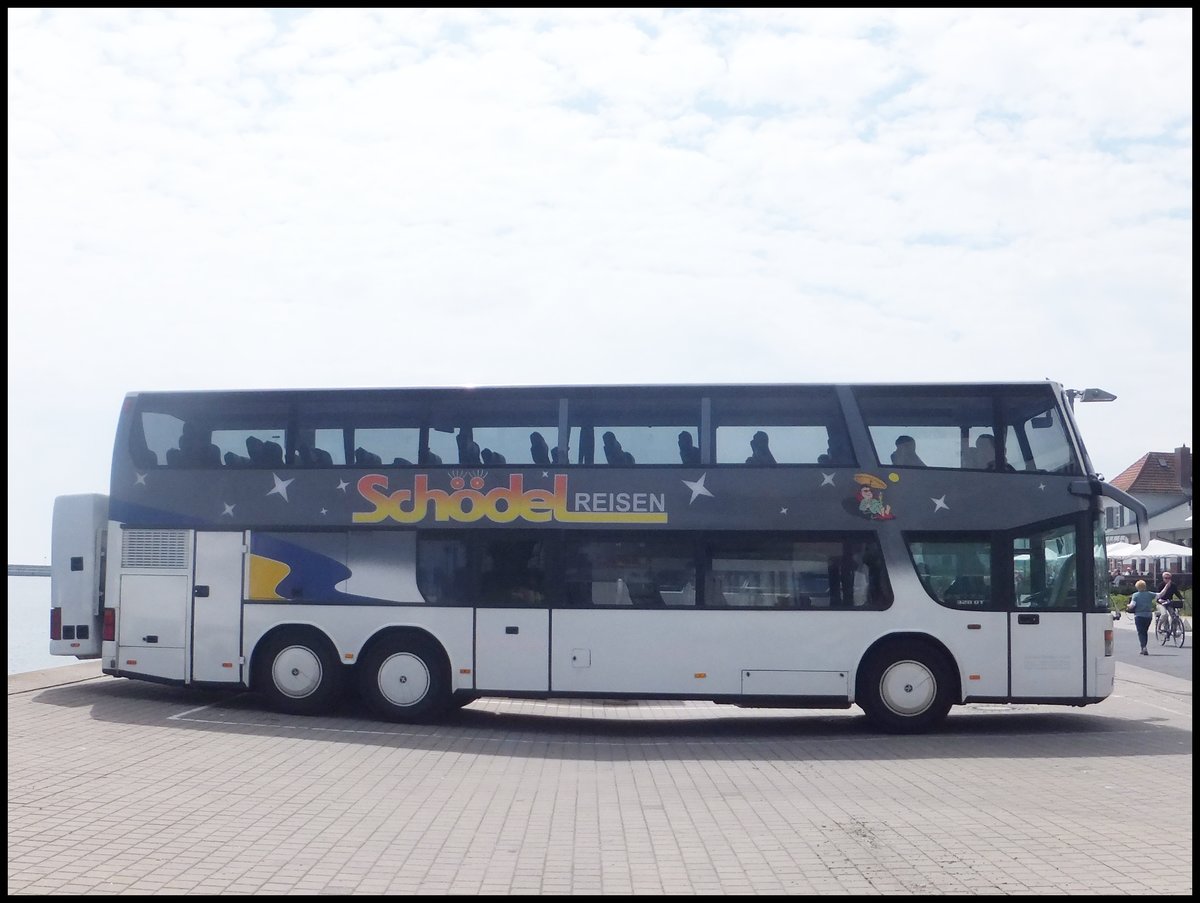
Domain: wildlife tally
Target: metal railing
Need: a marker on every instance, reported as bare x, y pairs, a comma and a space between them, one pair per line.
29, 570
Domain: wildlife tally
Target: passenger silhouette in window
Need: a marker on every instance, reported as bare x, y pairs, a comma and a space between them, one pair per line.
688, 453
613, 453
468, 448
983, 455
760, 452
364, 458
905, 454
273, 454
539, 451
254, 448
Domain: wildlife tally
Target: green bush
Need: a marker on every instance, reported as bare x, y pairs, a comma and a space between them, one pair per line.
1118, 601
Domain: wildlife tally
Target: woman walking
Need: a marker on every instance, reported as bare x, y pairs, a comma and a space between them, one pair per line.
1141, 606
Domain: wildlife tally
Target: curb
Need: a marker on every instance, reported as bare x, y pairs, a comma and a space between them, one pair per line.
53, 677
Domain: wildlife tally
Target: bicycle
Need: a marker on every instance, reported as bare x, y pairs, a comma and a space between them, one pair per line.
1169, 626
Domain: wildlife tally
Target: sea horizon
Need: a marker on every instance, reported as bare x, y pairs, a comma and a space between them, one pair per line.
29, 627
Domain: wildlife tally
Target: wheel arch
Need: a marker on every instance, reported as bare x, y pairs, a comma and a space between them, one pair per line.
403, 633
894, 642
308, 631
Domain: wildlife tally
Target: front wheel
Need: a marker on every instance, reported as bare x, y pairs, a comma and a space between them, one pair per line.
906, 690
297, 671
406, 679
1179, 632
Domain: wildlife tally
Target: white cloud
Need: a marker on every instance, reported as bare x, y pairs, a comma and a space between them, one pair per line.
222, 197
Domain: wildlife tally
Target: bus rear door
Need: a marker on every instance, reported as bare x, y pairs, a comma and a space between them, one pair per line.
77, 568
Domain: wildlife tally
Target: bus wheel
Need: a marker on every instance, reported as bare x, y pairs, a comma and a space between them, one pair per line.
406, 679
298, 672
905, 690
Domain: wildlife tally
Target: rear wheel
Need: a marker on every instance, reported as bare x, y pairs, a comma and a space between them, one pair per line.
906, 689
1162, 629
297, 671
406, 679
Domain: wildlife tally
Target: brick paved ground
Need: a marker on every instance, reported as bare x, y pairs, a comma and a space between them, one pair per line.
116, 787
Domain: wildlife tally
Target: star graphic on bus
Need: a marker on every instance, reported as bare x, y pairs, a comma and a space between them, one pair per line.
342, 484
698, 488
281, 486
228, 509
827, 479
939, 504
139, 479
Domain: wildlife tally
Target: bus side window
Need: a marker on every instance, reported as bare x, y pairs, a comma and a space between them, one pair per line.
443, 570
512, 572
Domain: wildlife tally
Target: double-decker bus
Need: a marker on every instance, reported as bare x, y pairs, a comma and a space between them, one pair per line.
903, 548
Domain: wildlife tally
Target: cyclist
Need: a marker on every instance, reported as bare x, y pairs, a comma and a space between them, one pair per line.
1168, 597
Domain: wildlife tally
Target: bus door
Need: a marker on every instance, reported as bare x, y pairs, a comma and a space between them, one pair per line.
1046, 625
216, 608
1047, 654
512, 621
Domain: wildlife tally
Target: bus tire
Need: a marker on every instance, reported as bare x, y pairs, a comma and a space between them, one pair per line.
406, 679
906, 689
297, 671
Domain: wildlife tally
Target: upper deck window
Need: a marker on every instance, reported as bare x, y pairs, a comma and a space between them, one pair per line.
986, 429
370, 431
804, 426
1035, 436
191, 432
634, 429
479, 431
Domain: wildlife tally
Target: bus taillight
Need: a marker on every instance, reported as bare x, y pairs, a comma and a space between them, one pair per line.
56, 623
1108, 643
110, 624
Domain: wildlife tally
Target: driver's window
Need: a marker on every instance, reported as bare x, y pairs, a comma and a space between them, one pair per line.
1044, 569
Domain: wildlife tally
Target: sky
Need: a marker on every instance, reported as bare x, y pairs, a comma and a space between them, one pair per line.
251, 198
